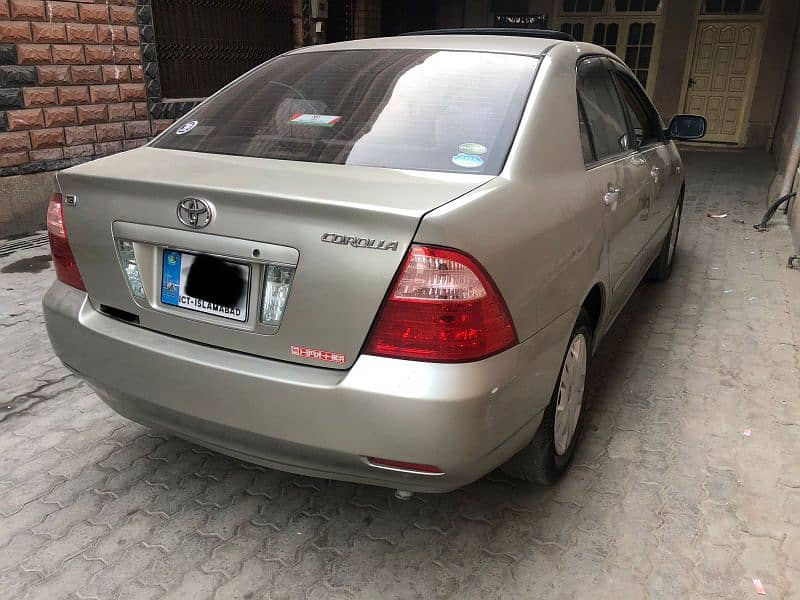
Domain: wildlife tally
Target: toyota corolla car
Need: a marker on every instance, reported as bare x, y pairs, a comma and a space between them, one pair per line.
385, 261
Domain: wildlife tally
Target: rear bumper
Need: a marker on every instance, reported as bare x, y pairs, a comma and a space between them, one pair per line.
466, 419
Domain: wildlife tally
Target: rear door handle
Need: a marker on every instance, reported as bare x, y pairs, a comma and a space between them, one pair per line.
638, 159
655, 173
612, 196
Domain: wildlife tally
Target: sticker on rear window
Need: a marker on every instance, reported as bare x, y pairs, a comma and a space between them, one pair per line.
318, 120
186, 127
468, 161
323, 355
472, 148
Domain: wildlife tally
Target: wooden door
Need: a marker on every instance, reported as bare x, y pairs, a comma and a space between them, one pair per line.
722, 76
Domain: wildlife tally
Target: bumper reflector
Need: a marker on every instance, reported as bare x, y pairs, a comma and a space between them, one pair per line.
399, 465
130, 268
278, 282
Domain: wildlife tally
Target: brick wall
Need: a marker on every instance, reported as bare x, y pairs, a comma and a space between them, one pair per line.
71, 83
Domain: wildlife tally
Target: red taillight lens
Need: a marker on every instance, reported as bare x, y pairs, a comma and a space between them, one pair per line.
443, 307
63, 260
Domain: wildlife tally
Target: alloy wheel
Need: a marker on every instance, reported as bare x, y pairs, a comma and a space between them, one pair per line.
571, 388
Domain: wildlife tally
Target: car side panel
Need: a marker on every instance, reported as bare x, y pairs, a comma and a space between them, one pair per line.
534, 228
668, 187
628, 223
658, 167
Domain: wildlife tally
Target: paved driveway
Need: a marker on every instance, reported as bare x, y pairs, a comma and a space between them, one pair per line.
668, 497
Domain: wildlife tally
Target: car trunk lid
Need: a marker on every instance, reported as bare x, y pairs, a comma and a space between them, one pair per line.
345, 229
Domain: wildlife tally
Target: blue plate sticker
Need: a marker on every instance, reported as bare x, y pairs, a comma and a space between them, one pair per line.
468, 161
171, 278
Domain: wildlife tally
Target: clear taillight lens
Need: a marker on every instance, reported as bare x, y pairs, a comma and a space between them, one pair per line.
130, 268
278, 283
63, 259
443, 307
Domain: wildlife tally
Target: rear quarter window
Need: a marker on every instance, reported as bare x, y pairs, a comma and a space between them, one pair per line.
403, 109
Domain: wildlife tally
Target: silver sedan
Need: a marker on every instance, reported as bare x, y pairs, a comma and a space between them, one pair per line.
386, 261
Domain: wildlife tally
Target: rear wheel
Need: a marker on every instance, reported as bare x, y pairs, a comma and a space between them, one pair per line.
548, 455
661, 269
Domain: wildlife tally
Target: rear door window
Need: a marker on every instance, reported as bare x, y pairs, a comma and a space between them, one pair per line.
403, 109
646, 124
604, 113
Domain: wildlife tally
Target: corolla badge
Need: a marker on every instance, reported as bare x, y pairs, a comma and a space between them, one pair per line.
359, 242
195, 213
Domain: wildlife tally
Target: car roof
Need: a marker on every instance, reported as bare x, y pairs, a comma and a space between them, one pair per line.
533, 46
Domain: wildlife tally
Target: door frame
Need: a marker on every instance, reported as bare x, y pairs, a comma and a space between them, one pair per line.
700, 19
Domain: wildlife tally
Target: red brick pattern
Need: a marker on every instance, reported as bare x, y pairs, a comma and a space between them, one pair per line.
34, 54
68, 55
86, 74
47, 138
121, 112
39, 96
11, 142
48, 75
63, 12
93, 113
25, 119
30, 10
48, 32
89, 96
48, 154
11, 31
60, 116
13, 159
80, 33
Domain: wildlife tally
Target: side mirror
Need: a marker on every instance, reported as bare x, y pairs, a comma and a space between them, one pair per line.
686, 127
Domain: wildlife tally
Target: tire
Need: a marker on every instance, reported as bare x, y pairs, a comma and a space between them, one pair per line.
542, 461
661, 269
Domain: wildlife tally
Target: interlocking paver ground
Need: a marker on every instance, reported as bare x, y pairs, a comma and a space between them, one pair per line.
667, 498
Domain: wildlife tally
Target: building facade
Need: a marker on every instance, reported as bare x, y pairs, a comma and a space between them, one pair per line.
725, 59
81, 79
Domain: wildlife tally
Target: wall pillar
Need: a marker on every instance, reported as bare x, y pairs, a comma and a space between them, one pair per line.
367, 19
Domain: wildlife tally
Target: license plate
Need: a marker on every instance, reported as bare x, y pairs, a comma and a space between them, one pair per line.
205, 284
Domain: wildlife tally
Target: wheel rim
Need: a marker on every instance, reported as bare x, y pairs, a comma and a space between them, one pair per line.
570, 394
673, 235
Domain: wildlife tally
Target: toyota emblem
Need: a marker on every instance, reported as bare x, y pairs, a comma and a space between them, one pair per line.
195, 213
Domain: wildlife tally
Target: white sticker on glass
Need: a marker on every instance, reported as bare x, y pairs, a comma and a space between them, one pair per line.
186, 127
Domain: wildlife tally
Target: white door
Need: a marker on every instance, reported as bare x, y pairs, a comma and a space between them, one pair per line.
722, 76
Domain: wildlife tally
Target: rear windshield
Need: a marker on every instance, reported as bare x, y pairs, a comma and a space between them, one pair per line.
404, 109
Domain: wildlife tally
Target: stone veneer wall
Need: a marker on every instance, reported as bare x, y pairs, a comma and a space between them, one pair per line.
71, 83
79, 79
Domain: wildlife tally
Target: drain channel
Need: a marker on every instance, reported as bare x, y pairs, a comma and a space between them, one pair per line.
32, 241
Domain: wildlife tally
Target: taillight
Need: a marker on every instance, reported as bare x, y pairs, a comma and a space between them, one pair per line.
443, 307
63, 260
